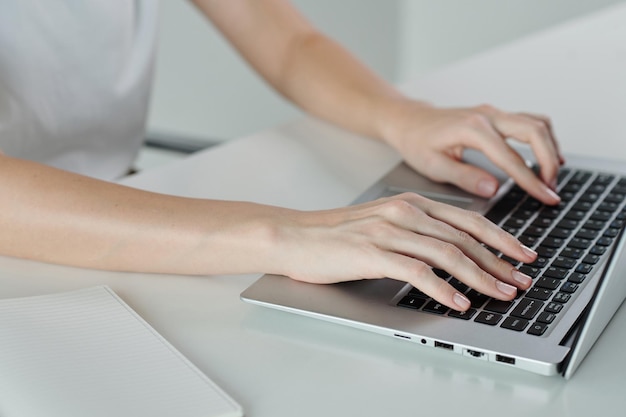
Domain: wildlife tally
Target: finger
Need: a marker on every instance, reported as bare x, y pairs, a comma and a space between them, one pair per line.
421, 276
477, 226
488, 141
535, 133
484, 258
548, 123
464, 229
416, 213
465, 176
450, 258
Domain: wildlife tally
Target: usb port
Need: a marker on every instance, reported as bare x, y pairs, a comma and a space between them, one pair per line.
443, 345
505, 359
474, 354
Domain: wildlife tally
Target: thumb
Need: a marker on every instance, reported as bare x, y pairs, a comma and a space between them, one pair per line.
465, 176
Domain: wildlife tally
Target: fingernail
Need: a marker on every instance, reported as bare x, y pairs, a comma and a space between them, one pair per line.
461, 301
522, 278
528, 251
505, 288
552, 194
487, 188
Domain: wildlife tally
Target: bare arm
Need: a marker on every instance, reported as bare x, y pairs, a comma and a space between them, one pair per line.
59, 217
323, 78
56, 216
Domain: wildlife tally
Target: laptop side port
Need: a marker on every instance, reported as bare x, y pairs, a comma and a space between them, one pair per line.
443, 345
402, 336
505, 359
475, 354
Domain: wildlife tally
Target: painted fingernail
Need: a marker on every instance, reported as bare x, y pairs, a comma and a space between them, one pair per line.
551, 193
505, 288
528, 251
461, 301
522, 278
487, 188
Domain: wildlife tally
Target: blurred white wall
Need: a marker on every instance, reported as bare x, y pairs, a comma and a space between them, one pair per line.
204, 90
435, 33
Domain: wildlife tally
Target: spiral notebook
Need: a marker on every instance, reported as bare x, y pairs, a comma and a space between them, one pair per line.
87, 353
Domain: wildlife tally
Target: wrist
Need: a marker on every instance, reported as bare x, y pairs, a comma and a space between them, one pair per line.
394, 117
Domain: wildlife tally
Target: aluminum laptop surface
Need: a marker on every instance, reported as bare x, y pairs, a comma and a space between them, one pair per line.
373, 305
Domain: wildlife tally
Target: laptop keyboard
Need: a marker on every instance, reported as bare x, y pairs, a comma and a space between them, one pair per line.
570, 239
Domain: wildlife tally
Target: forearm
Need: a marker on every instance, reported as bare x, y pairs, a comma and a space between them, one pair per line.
326, 80
304, 65
54, 216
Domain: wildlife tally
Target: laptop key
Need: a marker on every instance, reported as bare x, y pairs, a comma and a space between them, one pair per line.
527, 308
548, 283
486, 317
583, 205
546, 317
591, 259
553, 242
576, 277
579, 243
598, 250
435, 308
477, 299
462, 287
414, 292
614, 197
529, 241
584, 268
604, 179
592, 224
580, 177
558, 232
575, 214
538, 329
568, 224
540, 262
601, 215
498, 306
604, 241
561, 297
572, 253
569, 287
617, 224
539, 293
554, 307
608, 206
562, 262
546, 251
514, 323
587, 234
464, 315
411, 302
555, 272
611, 232
531, 271
550, 212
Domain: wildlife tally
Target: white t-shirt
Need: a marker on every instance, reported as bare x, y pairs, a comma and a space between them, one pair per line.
75, 78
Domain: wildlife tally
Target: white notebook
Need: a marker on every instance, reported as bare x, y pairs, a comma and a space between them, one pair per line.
87, 353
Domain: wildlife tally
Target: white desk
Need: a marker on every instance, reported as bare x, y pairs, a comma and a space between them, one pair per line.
277, 364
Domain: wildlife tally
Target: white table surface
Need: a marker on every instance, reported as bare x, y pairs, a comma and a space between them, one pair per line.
277, 364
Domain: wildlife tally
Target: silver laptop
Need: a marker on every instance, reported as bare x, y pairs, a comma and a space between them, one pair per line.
579, 279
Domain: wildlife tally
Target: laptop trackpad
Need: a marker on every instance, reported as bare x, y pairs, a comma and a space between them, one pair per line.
403, 178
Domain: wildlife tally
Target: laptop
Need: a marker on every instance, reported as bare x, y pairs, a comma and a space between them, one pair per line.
579, 278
